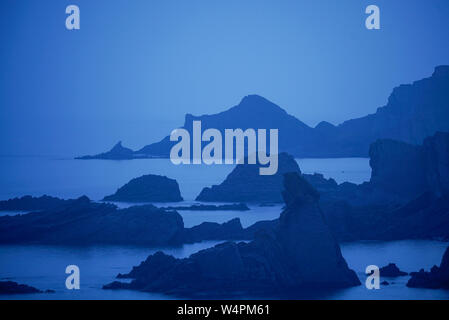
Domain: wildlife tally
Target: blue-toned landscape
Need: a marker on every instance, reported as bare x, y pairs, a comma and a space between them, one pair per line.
348, 194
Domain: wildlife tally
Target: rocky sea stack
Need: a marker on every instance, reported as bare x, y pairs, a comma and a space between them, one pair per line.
299, 253
245, 184
11, 287
437, 278
148, 188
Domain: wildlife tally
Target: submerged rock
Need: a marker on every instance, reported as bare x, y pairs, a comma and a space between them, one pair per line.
148, 188
391, 271
300, 252
437, 278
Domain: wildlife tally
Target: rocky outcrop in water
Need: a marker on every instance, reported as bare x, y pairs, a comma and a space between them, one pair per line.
11, 287
83, 222
437, 278
29, 203
391, 271
148, 188
300, 253
408, 170
245, 184
118, 152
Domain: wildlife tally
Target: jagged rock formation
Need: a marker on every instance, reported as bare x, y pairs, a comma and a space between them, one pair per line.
231, 230
416, 177
245, 184
437, 278
83, 222
413, 112
300, 253
29, 203
409, 170
148, 188
118, 152
436, 151
11, 287
391, 271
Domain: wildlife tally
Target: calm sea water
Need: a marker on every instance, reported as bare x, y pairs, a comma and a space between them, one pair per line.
68, 178
44, 266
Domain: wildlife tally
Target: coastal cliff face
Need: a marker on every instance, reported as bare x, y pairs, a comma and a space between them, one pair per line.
148, 188
299, 253
413, 112
417, 177
397, 168
410, 170
436, 150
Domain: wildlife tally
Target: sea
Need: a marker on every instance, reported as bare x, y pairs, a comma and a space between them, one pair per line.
44, 266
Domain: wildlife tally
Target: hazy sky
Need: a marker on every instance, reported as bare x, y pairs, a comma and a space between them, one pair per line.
136, 67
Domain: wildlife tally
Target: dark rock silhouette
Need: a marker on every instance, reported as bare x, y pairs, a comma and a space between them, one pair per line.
413, 112
83, 222
436, 151
11, 287
148, 188
29, 203
245, 184
397, 168
211, 207
437, 278
391, 271
118, 152
412, 198
231, 230
300, 253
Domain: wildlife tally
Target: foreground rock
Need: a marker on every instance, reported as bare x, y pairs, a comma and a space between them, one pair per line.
300, 253
391, 271
11, 287
83, 222
437, 278
148, 188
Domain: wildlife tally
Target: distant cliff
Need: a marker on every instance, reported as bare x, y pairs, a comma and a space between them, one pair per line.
118, 152
413, 112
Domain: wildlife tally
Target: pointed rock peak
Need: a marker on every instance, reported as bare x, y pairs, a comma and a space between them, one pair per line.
255, 101
298, 190
118, 145
120, 149
441, 71
324, 125
83, 199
